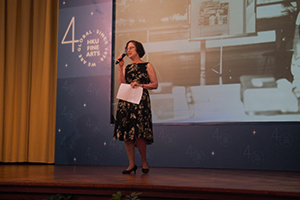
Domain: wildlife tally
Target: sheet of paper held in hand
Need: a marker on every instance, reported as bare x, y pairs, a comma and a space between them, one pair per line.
127, 93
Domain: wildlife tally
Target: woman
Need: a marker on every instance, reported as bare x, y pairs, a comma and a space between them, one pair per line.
134, 121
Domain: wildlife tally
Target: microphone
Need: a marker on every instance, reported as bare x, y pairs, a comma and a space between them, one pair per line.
123, 55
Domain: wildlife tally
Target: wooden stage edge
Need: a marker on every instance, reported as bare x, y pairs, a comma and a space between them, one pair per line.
28, 181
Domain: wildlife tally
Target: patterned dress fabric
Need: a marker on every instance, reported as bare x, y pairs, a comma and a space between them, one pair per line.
135, 120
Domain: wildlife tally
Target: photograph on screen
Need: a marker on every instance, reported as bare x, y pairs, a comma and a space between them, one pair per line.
216, 60
221, 19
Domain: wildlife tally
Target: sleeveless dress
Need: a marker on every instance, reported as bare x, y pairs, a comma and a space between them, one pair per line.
135, 120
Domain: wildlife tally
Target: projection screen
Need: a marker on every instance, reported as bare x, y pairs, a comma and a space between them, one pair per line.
215, 60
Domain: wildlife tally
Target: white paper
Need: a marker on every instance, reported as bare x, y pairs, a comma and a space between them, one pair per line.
127, 93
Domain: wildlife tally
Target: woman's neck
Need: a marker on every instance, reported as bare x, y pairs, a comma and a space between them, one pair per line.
136, 59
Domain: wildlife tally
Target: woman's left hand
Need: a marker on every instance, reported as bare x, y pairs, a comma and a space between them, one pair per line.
133, 84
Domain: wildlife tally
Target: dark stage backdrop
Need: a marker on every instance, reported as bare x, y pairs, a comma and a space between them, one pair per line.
93, 32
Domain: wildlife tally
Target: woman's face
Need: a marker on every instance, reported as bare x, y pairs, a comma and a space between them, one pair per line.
131, 50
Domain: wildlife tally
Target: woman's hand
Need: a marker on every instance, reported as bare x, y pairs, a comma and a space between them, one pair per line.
121, 75
121, 63
134, 84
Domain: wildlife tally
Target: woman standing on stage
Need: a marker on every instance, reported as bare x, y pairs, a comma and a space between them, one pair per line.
134, 121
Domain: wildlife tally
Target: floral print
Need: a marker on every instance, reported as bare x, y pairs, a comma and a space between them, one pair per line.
135, 120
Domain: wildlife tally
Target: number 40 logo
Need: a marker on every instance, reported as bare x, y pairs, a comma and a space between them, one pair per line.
92, 47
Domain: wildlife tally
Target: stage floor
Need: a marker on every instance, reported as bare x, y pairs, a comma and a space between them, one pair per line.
27, 181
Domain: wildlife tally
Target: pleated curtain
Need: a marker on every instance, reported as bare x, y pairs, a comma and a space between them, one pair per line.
28, 66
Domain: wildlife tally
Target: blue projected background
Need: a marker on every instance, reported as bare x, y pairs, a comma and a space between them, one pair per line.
84, 132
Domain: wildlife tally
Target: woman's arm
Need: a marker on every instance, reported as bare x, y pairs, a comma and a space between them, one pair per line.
153, 80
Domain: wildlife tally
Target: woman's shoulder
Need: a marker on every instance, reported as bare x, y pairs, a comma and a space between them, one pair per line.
144, 63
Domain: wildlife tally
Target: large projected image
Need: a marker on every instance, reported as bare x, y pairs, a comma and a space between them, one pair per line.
216, 60
212, 19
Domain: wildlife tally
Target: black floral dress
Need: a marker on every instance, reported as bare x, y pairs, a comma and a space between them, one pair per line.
135, 120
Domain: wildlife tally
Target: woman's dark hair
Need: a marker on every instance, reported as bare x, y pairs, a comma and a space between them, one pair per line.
138, 47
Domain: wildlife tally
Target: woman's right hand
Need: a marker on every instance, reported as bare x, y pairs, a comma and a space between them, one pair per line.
121, 76
121, 63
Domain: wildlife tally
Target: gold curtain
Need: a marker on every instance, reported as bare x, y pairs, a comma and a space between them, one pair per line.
28, 60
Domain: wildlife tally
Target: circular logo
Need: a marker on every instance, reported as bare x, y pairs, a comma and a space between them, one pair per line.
286, 140
257, 157
226, 140
93, 48
198, 157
